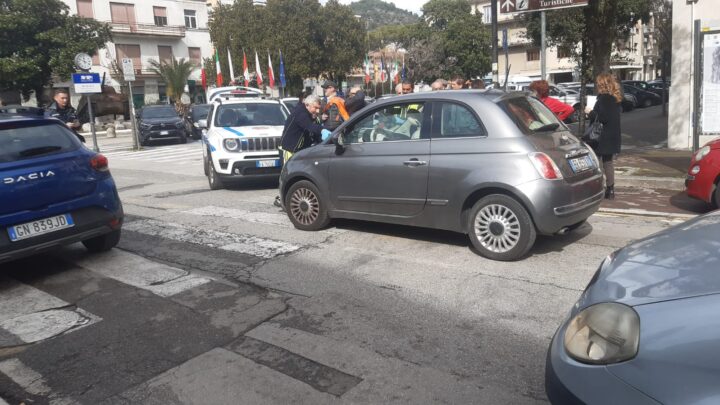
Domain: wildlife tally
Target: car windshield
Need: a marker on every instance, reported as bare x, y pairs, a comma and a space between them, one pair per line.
159, 112
19, 142
200, 112
248, 114
530, 115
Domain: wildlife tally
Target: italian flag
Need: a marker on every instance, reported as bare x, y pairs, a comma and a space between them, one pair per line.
367, 70
219, 79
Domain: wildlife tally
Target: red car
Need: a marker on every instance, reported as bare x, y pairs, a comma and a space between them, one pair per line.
704, 174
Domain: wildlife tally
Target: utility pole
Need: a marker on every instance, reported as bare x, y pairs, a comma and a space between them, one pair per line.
543, 47
494, 29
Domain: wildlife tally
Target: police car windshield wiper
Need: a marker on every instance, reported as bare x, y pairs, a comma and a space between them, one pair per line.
547, 127
39, 150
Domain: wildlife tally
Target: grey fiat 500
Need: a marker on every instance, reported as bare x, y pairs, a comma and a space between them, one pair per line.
496, 166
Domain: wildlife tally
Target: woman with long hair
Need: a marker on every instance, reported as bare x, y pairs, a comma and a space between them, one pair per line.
607, 110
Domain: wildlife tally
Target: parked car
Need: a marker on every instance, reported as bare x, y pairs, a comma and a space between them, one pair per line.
703, 177
645, 330
290, 103
629, 101
197, 112
15, 109
496, 166
242, 140
568, 96
161, 123
53, 190
644, 98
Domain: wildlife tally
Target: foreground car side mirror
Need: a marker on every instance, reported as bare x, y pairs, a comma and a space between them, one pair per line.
202, 123
339, 142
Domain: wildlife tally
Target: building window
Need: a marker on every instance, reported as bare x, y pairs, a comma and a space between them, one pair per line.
533, 54
84, 8
128, 51
487, 14
122, 13
195, 56
160, 14
165, 54
563, 52
190, 20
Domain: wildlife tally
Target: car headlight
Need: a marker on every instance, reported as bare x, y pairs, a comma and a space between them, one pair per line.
231, 144
701, 153
603, 334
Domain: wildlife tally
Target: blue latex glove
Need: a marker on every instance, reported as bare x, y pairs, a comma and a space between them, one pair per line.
399, 120
325, 134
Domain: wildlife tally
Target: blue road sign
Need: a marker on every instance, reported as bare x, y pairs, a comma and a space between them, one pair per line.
87, 83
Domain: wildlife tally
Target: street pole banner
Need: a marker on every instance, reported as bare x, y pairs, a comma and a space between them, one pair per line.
128, 70
86, 83
710, 118
524, 6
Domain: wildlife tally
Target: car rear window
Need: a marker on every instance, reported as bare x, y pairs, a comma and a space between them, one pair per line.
247, 114
23, 141
159, 112
530, 115
200, 112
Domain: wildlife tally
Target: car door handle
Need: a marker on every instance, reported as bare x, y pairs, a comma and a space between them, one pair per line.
414, 163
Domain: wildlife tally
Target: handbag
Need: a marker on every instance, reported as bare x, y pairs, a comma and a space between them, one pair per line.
593, 132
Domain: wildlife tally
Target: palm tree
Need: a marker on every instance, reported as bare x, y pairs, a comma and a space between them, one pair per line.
175, 74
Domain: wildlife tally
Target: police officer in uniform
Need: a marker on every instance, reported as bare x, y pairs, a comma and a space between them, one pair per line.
62, 110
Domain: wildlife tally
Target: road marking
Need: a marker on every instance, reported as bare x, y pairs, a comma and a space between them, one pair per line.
271, 218
241, 243
641, 212
31, 315
31, 381
137, 271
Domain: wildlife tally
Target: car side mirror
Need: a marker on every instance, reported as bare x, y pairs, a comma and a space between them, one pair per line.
339, 142
202, 123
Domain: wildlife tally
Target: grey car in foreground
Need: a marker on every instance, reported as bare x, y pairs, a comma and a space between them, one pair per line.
646, 330
496, 166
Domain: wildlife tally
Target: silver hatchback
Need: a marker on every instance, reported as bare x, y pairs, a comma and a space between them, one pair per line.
496, 166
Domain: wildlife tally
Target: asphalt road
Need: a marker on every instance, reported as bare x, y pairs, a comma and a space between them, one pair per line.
212, 297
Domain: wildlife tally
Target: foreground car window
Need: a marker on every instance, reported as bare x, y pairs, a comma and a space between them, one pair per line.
26, 142
239, 115
457, 121
397, 122
530, 115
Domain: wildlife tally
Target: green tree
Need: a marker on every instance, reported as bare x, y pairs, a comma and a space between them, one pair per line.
598, 26
38, 39
342, 37
378, 14
175, 74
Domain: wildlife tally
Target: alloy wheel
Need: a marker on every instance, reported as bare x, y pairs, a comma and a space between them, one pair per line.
497, 228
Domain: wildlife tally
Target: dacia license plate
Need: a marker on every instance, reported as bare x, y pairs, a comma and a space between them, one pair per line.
267, 163
40, 227
580, 164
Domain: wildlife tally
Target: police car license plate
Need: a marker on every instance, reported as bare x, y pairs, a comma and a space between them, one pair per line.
40, 227
580, 164
267, 163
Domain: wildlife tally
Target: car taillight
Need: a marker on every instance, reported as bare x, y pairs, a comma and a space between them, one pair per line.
99, 163
545, 166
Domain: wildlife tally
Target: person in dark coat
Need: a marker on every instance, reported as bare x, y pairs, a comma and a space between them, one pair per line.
355, 101
607, 110
62, 110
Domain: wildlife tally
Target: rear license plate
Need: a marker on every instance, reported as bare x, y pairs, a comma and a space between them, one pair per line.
164, 132
580, 164
40, 227
267, 163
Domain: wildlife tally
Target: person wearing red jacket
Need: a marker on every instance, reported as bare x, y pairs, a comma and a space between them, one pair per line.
560, 109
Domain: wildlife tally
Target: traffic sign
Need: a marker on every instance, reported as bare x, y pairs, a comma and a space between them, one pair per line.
128, 70
87, 83
523, 6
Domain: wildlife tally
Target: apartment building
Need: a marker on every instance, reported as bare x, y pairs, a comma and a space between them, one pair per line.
627, 60
146, 30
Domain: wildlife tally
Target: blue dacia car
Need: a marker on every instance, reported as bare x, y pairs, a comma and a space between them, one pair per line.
53, 190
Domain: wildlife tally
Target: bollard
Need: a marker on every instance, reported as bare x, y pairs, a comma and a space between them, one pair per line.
111, 131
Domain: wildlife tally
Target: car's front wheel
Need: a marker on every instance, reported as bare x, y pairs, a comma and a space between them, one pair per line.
305, 207
500, 228
213, 179
103, 243
716, 200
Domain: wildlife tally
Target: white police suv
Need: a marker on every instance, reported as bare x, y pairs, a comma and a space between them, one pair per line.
242, 139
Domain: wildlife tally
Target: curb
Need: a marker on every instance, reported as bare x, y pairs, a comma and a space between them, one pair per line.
644, 213
665, 183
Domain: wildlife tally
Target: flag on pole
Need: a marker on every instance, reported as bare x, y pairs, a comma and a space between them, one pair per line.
271, 75
396, 73
403, 72
282, 71
367, 69
218, 70
258, 72
383, 73
246, 72
232, 73
376, 70
203, 79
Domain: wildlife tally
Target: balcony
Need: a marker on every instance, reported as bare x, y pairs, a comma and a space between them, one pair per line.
174, 31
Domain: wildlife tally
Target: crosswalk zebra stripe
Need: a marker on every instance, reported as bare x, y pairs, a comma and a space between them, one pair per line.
31, 381
155, 152
246, 244
271, 218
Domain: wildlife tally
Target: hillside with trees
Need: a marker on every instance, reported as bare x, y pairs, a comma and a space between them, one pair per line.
378, 14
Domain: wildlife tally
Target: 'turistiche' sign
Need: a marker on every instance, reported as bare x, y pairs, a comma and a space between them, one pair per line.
524, 6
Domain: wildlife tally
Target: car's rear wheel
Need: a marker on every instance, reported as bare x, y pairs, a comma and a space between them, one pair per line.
103, 243
305, 207
213, 179
647, 103
500, 228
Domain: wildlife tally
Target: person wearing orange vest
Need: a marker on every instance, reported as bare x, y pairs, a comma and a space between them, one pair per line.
334, 112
